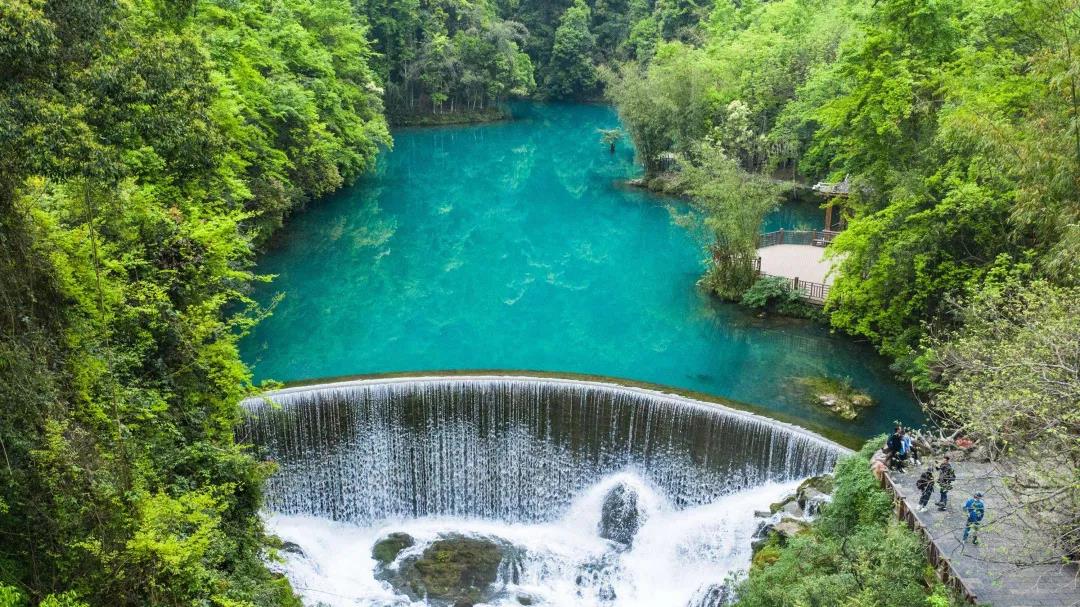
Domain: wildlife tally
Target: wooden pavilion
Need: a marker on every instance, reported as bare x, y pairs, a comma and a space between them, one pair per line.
834, 192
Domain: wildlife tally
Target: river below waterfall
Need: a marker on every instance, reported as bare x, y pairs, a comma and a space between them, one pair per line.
514, 246
677, 556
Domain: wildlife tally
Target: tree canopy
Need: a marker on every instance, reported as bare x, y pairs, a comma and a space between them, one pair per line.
145, 149
952, 120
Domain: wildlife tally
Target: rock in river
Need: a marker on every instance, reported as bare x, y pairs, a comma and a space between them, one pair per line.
454, 570
838, 396
620, 517
713, 595
387, 549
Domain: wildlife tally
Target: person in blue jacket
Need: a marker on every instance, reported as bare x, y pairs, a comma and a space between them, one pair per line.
975, 509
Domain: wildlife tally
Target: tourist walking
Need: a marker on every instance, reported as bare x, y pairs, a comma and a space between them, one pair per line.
945, 478
925, 485
975, 509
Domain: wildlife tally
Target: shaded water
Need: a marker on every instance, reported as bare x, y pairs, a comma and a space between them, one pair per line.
513, 246
529, 463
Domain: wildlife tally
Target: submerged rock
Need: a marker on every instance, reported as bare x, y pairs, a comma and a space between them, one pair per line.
838, 396
598, 575
455, 570
620, 518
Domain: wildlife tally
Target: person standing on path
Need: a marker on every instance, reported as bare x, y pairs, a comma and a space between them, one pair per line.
925, 484
911, 452
975, 509
895, 445
945, 479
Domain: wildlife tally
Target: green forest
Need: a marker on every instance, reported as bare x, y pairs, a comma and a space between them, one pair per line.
149, 148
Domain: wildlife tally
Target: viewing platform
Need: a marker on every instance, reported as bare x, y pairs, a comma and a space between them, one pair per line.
1012, 566
799, 256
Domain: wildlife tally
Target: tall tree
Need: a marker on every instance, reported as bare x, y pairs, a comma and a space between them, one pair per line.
146, 148
571, 74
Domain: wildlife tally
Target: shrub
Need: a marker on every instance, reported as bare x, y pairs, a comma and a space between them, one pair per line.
774, 295
856, 554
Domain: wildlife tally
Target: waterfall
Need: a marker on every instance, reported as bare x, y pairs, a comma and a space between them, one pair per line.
514, 449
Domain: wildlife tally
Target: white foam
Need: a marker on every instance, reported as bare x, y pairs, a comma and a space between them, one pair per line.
675, 553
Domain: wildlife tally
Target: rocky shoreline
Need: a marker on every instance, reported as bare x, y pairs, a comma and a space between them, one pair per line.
788, 518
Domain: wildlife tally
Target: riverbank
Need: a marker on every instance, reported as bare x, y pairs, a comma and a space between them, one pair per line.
450, 118
855, 553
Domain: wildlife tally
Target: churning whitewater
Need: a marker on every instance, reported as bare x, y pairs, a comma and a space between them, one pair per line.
525, 491
678, 558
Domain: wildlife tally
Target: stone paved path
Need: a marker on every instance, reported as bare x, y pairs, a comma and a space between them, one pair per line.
1012, 566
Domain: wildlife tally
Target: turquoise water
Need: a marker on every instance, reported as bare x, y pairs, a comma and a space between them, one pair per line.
513, 246
801, 212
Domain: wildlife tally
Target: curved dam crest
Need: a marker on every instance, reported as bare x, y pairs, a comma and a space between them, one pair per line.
516, 449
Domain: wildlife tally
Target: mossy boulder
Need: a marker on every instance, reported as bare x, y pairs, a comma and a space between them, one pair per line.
787, 504
813, 492
824, 483
455, 570
771, 537
837, 396
388, 548
766, 553
789, 528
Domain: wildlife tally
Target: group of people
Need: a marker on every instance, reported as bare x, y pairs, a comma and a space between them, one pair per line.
900, 449
945, 478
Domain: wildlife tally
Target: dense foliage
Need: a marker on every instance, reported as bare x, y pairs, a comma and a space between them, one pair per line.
773, 294
955, 121
958, 126
856, 554
144, 148
457, 60
734, 205
1011, 377
447, 57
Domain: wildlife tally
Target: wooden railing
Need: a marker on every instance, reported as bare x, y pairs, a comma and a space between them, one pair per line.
811, 292
945, 571
815, 238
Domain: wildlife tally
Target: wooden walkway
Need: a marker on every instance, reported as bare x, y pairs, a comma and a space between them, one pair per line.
1011, 567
